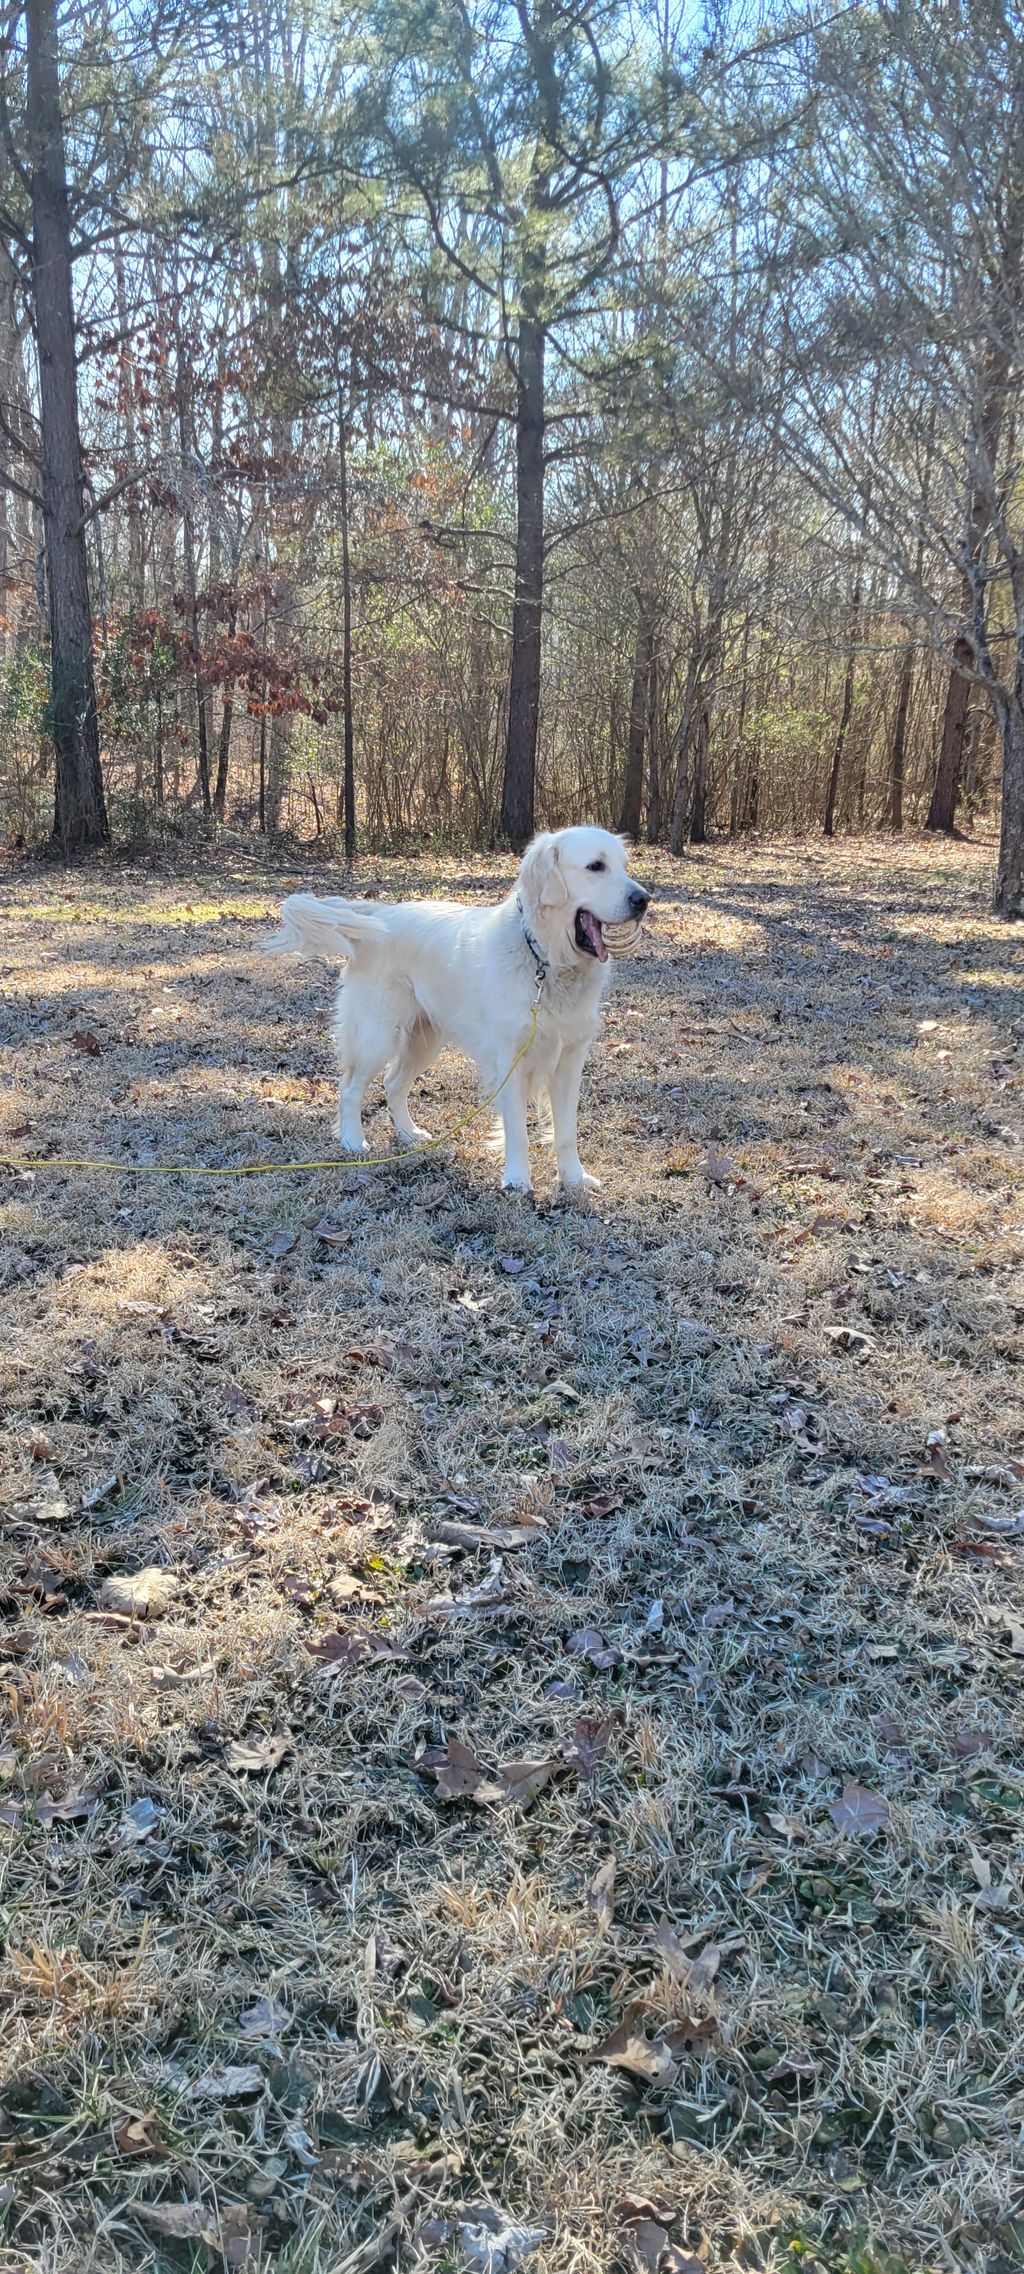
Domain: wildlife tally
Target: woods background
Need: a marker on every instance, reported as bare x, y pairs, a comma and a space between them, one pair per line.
422, 418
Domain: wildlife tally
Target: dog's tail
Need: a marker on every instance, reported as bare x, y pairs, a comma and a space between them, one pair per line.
325, 927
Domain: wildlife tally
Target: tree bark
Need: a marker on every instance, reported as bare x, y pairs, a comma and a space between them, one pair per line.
80, 817
1009, 893
227, 713
633, 785
701, 772
518, 792
836, 768
186, 446
898, 748
677, 825
654, 751
348, 795
946, 787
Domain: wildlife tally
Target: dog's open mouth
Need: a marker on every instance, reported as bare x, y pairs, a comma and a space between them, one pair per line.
589, 936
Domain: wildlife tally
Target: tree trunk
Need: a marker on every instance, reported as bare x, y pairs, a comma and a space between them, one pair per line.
227, 712
517, 799
654, 752
633, 785
898, 749
701, 770
80, 818
946, 789
677, 825
835, 771
348, 797
1009, 894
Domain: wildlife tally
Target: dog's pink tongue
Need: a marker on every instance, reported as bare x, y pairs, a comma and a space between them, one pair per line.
595, 935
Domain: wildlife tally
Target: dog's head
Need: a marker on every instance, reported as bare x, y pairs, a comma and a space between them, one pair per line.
572, 885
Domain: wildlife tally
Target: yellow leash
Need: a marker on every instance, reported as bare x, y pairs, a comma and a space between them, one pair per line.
287, 1168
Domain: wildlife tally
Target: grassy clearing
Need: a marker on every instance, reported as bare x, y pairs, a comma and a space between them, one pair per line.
293, 1982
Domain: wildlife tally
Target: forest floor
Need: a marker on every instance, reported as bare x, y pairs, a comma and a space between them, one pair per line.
511, 1716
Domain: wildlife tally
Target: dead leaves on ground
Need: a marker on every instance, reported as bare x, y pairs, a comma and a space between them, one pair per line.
342, 1649
694, 1975
234, 2230
655, 2060
646, 2236
859, 1811
144, 1594
601, 1896
458, 1775
258, 1755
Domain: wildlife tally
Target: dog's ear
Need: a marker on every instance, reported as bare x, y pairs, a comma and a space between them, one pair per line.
540, 877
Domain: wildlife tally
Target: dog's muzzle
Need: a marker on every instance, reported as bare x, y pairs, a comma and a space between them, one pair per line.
602, 940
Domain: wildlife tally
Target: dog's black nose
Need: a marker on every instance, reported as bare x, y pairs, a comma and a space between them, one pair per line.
639, 900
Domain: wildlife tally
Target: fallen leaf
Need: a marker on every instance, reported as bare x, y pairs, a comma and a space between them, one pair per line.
266, 2018
235, 2082
140, 1819
967, 1742
88, 1043
140, 2136
590, 1744
512, 1263
345, 1587
643, 2207
858, 1810
671, 1952
603, 1504
718, 1168
524, 1780
187, 2222
647, 2240
459, 1776
251, 1754
140, 1594
353, 1647
889, 1730
174, 1677
790, 1827
1014, 1633
484, 1537
601, 1896
695, 1975
282, 1243
490, 2242
70, 1810
654, 2059
799, 2065
590, 1644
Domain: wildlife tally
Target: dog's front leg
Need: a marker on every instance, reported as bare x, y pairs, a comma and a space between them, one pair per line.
565, 1099
516, 1174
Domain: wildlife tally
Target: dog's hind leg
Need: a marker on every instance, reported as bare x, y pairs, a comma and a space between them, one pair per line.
419, 1050
365, 1040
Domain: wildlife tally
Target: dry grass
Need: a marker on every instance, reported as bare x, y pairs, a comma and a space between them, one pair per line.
716, 1396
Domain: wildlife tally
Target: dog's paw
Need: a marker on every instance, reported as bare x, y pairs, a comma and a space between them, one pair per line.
521, 1186
353, 1150
584, 1182
414, 1135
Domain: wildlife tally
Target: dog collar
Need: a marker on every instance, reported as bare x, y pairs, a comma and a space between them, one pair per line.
539, 959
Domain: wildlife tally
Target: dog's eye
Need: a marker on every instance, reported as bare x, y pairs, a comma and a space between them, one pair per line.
596, 864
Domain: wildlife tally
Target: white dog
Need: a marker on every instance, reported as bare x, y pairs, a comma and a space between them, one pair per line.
425, 973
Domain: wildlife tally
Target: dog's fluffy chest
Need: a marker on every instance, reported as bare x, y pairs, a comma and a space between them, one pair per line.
569, 1005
